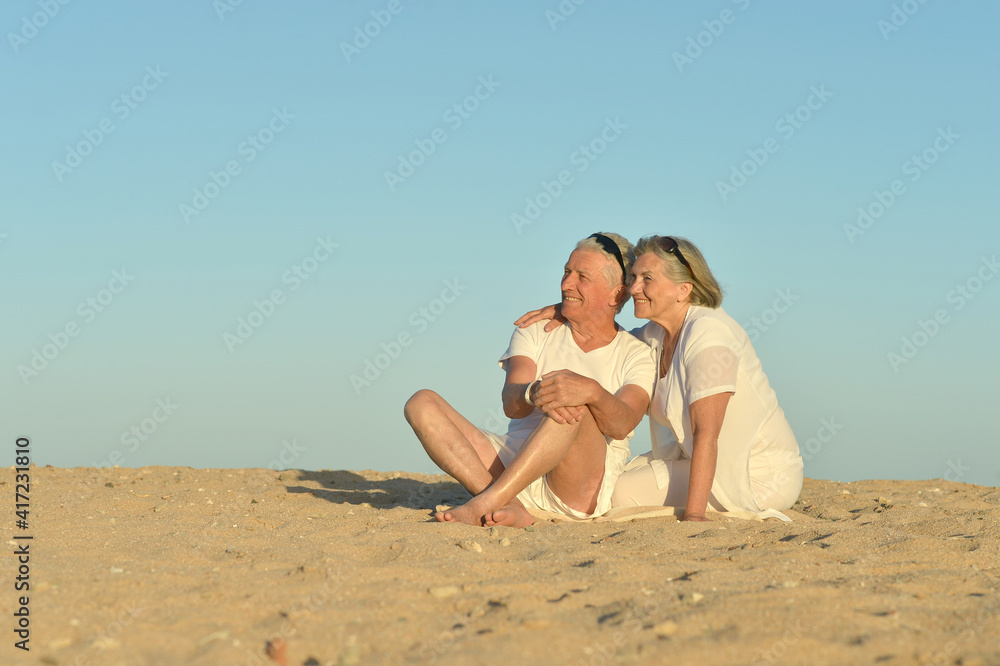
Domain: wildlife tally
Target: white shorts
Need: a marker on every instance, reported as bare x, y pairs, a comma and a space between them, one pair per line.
539, 496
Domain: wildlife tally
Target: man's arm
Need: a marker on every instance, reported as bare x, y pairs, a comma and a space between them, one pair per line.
616, 415
521, 372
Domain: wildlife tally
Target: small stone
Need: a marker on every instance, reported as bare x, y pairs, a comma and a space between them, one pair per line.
443, 592
494, 532
105, 643
505, 542
253, 501
472, 546
109, 485
666, 628
116, 570
214, 636
536, 624
530, 528
351, 656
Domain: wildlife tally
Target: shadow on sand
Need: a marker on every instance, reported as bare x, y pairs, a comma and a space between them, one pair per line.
344, 487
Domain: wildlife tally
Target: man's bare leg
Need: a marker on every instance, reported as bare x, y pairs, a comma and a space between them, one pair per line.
573, 457
454, 444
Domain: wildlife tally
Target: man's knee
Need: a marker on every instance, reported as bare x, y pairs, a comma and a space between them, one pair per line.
419, 403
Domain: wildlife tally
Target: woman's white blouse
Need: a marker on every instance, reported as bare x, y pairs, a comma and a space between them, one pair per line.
714, 355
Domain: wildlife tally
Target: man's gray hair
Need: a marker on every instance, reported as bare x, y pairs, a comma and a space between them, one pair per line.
612, 271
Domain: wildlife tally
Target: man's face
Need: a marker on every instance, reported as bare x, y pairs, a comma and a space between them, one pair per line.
585, 289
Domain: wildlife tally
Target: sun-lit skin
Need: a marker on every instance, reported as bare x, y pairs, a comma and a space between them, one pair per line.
570, 446
584, 282
655, 296
665, 302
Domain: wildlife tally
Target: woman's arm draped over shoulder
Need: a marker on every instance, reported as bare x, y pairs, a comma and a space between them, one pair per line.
552, 312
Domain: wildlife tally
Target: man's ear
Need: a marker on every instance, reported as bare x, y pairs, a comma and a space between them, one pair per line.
620, 296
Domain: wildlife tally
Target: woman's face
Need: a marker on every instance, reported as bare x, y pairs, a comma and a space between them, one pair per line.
654, 296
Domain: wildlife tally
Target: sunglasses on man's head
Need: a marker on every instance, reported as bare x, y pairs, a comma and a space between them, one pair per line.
670, 246
611, 248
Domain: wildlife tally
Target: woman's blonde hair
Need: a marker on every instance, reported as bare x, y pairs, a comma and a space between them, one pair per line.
705, 290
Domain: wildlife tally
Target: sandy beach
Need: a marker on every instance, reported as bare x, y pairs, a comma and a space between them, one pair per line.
173, 565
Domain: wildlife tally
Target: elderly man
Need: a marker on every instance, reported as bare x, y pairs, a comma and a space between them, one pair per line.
574, 396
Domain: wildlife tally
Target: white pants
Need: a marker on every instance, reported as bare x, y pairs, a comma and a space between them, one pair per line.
638, 486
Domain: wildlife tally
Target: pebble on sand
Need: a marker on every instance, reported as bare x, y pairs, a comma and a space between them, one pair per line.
666, 628
443, 592
472, 546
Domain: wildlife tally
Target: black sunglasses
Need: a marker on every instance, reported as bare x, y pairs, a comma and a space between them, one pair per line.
611, 248
669, 245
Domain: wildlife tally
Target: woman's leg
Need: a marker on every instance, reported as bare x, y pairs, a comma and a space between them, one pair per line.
638, 486
779, 490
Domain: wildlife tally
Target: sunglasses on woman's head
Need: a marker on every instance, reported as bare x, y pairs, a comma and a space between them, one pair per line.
670, 246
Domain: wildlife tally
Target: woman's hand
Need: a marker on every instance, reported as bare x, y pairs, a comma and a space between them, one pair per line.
553, 312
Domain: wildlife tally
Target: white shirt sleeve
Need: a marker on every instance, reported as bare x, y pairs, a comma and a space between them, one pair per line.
524, 342
712, 362
640, 369
711, 371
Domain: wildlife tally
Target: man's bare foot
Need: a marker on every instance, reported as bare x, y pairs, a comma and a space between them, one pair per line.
467, 513
512, 515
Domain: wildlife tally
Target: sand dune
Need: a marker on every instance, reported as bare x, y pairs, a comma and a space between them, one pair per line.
168, 565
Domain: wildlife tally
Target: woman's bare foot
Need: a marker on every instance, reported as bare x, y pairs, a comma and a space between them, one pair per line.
512, 515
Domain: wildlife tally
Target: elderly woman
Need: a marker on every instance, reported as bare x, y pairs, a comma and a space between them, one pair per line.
720, 440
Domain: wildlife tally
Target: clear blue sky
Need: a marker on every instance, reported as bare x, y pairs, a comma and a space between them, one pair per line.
165, 166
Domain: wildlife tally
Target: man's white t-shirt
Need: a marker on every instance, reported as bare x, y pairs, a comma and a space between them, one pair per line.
625, 360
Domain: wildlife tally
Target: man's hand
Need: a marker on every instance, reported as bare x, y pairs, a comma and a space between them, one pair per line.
563, 388
566, 415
